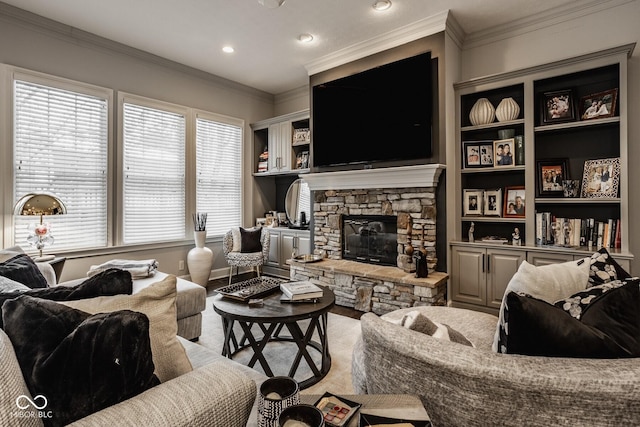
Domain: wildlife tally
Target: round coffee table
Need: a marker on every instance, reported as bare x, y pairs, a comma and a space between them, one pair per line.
271, 318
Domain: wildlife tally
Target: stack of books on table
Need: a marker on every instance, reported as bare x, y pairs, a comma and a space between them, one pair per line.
300, 291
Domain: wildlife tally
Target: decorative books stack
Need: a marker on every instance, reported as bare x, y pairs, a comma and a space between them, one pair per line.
300, 291
263, 162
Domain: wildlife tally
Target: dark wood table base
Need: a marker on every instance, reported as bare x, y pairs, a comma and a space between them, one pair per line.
262, 325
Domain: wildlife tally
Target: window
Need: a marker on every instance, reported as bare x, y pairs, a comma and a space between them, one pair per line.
219, 172
60, 145
153, 172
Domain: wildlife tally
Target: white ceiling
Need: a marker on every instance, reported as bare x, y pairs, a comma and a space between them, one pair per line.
267, 53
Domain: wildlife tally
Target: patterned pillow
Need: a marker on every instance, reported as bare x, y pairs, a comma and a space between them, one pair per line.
608, 327
577, 303
604, 269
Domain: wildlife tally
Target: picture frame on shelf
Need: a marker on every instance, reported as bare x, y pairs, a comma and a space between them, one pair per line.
601, 178
549, 176
598, 105
514, 202
302, 160
477, 154
493, 202
472, 202
503, 150
301, 135
557, 107
261, 222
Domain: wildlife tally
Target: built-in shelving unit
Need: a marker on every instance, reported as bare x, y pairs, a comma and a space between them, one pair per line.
480, 271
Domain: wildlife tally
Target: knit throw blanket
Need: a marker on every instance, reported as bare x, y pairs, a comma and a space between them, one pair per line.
138, 268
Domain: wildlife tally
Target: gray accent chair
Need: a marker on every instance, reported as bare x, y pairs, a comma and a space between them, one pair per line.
245, 259
467, 386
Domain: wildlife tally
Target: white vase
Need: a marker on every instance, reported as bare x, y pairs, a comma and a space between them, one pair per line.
200, 260
508, 109
482, 112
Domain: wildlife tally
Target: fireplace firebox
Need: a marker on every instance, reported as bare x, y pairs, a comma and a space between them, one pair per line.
370, 238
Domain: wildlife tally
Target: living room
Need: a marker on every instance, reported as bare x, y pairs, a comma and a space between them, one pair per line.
41, 45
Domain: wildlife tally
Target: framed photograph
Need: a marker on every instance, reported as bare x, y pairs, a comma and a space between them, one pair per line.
557, 107
472, 202
514, 202
598, 105
493, 202
550, 175
261, 222
601, 178
302, 160
503, 150
477, 154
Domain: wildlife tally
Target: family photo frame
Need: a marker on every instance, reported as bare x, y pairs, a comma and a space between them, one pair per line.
557, 107
598, 105
503, 150
472, 202
550, 175
477, 154
601, 178
493, 202
514, 202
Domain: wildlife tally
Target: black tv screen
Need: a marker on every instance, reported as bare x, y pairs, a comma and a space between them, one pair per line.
379, 115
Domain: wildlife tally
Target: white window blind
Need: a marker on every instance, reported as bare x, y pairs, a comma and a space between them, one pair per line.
153, 174
60, 146
218, 174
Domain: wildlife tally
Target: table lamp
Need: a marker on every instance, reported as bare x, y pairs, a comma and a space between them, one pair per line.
40, 204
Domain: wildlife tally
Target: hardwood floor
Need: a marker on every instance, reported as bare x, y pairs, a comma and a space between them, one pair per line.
217, 283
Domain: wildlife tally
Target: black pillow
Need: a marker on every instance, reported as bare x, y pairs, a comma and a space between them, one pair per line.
609, 326
106, 283
80, 363
23, 269
603, 268
250, 240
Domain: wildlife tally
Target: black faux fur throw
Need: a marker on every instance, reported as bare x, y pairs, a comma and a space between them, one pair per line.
110, 282
80, 363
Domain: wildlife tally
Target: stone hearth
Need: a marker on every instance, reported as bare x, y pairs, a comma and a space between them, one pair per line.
408, 192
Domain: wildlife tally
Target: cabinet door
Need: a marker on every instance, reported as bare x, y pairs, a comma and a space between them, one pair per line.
274, 250
468, 278
274, 147
286, 162
286, 248
280, 146
502, 264
539, 259
304, 244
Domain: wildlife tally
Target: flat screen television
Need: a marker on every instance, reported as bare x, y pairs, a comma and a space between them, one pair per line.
379, 115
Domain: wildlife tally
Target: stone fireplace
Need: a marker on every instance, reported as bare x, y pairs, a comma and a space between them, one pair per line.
408, 193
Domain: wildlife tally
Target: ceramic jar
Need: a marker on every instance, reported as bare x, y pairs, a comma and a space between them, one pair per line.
482, 112
508, 109
200, 260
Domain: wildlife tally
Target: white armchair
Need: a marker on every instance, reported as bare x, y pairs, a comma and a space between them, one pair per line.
235, 257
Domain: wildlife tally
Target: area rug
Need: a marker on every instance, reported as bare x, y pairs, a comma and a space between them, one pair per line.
342, 332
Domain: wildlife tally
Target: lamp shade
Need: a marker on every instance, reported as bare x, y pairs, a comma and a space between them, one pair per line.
39, 204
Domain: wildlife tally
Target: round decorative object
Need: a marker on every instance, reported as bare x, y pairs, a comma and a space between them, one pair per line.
508, 109
482, 112
200, 260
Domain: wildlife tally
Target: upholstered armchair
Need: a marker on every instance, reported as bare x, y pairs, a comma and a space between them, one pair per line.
246, 248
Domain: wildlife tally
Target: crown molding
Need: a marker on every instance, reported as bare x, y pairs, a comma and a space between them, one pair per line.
558, 15
422, 28
393, 177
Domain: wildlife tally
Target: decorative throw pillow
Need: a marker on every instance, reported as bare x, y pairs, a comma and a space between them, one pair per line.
250, 240
79, 363
417, 321
23, 269
603, 268
577, 303
108, 282
158, 302
609, 326
236, 237
549, 283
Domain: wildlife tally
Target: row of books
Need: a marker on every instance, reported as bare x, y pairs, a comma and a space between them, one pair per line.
552, 230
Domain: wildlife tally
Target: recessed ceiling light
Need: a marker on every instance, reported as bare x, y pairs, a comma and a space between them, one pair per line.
228, 49
271, 4
305, 38
382, 5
